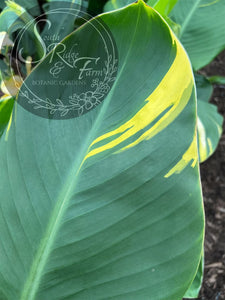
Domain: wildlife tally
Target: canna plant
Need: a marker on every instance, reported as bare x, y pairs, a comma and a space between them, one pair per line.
101, 198
199, 25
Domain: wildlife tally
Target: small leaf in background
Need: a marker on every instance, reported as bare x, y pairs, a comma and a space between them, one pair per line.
115, 4
164, 7
12, 85
13, 19
8, 18
209, 120
204, 88
209, 129
4, 69
174, 26
6, 107
27, 4
216, 79
5, 41
61, 17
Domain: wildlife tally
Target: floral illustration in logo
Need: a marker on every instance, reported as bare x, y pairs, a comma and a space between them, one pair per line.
71, 75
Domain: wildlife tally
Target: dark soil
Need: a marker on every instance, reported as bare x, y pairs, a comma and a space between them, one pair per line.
213, 182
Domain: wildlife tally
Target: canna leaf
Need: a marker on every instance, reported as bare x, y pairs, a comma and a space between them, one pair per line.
204, 88
4, 41
9, 88
61, 16
210, 122
29, 5
216, 79
210, 129
115, 4
115, 210
9, 21
14, 18
164, 7
202, 28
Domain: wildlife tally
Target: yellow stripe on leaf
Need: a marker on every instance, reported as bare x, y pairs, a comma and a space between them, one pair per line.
190, 155
172, 94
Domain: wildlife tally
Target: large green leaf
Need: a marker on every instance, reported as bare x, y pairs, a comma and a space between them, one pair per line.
210, 122
107, 205
202, 29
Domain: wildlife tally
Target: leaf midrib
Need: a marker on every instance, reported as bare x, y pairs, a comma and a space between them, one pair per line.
189, 16
32, 284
